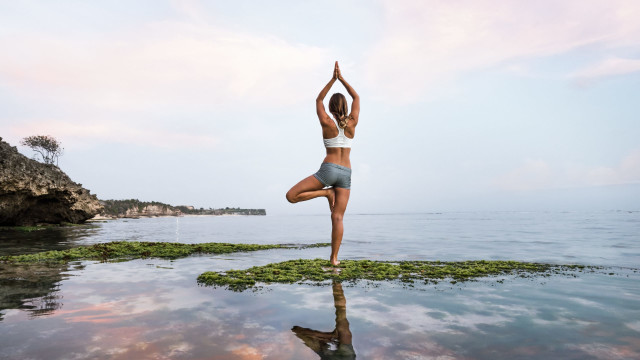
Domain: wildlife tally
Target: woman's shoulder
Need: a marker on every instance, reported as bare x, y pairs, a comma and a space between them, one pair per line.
326, 121
353, 119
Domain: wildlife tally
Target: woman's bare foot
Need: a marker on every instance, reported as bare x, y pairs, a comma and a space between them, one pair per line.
332, 198
335, 262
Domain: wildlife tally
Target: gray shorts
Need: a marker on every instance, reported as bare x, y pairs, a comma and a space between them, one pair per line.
334, 175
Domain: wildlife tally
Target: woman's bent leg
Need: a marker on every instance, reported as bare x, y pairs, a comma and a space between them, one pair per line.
337, 228
310, 188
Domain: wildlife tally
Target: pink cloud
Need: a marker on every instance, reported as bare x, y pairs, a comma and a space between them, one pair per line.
608, 67
82, 133
161, 63
426, 43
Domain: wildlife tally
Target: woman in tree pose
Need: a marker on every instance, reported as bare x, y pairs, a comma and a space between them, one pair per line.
333, 180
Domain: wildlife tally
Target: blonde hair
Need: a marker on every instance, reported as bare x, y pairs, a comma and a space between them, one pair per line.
340, 110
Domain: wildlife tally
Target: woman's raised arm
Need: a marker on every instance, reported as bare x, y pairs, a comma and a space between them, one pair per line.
355, 106
322, 114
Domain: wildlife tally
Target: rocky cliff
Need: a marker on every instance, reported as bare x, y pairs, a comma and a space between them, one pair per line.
34, 193
152, 210
134, 208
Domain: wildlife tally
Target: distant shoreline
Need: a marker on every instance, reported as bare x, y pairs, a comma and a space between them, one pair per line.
100, 217
134, 208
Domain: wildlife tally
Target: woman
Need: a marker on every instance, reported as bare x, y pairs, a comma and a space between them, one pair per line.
333, 180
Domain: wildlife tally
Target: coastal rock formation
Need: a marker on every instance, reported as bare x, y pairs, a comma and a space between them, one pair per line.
151, 210
190, 210
34, 193
134, 208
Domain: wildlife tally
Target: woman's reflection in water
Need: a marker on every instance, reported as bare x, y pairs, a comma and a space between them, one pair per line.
332, 345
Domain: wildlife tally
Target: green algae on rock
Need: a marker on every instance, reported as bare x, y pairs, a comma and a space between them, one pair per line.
136, 249
318, 270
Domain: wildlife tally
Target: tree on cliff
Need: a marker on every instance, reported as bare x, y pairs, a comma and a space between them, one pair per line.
47, 146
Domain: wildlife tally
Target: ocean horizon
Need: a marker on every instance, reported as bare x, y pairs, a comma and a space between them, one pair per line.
155, 308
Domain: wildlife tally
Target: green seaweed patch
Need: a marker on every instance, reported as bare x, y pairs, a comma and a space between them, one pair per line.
118, 250
319, 270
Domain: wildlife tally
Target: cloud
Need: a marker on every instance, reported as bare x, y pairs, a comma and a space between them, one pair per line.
81, 133
605, 351
138, 84
539, 174
608, 67
427, 43
247, 352
533, 174
627, 172
158, 64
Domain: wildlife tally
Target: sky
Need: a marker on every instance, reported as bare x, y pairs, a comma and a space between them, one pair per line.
465, 105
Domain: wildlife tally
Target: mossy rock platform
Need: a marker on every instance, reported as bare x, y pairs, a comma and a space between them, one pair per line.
319, 270
136, 249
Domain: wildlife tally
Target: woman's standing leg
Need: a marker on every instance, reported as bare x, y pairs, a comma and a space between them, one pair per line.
337, 229
310, 188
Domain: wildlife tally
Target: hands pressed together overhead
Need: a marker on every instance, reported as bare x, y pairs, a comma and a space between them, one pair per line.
336, 72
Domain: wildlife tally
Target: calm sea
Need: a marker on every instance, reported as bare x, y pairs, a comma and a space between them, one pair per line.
152, 308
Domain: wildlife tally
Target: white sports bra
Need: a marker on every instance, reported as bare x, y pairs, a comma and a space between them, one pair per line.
339, 141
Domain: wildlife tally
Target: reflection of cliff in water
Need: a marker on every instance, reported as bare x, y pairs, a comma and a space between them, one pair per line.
34, 287
31, 287
331, 345
16, 242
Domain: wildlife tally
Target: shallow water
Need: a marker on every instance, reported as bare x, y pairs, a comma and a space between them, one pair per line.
153, 308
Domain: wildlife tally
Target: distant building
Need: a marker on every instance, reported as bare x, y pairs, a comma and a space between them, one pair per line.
189, 207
